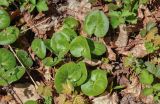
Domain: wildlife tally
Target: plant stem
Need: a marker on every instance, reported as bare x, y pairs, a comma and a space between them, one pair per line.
35, 84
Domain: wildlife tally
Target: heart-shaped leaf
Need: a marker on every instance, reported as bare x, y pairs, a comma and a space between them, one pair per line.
8, 76
24, 57
39, 48
96, 48
76, 74
9, 35
7, 59
79, 47
96, 84
4, 19
96, 22
59, 44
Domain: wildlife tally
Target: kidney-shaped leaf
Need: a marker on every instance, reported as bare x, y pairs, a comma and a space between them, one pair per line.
9, 35
70, 22
7, 59
96, 84
4, 19
24, 57
39, 48
79, 47
96, 22
76, 74
8, 76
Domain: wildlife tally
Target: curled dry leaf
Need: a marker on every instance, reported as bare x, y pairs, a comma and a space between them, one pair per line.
93, 62
123, 37
107, 99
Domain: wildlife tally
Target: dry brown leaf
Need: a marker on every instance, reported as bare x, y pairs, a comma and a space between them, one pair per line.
150, 35
107, 99
93, 62
111, 54
123, 37
157, 40
25, 91
134, 89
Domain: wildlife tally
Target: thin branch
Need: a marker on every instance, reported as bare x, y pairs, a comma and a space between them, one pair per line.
35, 25
23, 66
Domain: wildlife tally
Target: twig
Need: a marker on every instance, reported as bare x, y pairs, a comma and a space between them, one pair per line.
35, 25
23, 66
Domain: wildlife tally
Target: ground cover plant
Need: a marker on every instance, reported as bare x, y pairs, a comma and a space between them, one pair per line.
79, 51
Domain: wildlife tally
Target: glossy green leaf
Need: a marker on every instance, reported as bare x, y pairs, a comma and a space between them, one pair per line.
9, 35
42, 5
70, 22
4, 19
99, 48
96, 84
8, 76
76, 74
59, 44
24, 57
7, 59
79, 47
96, 22
146, 77
48, 61
39, 48
147, 91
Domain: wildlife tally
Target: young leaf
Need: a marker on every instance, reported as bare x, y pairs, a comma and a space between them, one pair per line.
24, 57
99, 48
72, 73
96, 22
7, 59
8, 76
9, 35
146, 77
48, 61
39, 48
79, 47
42, 5
70, 22
147, 91
96, 84
4, 18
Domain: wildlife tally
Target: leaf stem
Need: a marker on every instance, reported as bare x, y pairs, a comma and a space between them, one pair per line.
35, 84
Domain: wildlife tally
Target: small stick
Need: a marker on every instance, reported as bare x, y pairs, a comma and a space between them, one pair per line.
23, 66
35, 25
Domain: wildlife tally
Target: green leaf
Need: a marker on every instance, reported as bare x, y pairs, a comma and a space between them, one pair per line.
76, 74
42, 5
96, 84
4, 19
33, 1
39, 48
151, 67
59, 44
96, 22
99, 48
48, 100
9, 35
24, 57
48, 61
31, 102
147, 91
70, 22
47, 44
150, 25
79, 47
146, 78
156, 87
4, 3
8, 76
7, 59
150, 47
